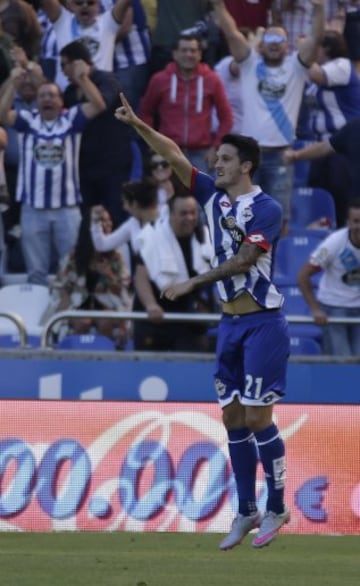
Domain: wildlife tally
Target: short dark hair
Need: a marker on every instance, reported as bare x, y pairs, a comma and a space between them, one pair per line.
247, 147
334, 44
76, 50
354, 202
143, 192
188, 37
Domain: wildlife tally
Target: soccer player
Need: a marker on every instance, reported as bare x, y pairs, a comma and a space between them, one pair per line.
253, 342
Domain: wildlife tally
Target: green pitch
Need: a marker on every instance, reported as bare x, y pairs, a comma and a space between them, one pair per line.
175, 559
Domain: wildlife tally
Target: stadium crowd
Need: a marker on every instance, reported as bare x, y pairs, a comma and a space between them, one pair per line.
90, 212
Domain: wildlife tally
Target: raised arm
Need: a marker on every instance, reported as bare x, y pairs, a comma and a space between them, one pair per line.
119, 9
95, 102
163, 145
52, 9
309, 46
237, 42
7, 95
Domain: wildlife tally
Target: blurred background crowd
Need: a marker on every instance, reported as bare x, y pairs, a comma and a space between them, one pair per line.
88, 213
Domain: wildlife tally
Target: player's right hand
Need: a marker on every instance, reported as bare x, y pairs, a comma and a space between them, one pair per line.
125, 113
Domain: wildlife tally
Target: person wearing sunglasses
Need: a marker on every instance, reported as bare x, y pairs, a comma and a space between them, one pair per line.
272, 88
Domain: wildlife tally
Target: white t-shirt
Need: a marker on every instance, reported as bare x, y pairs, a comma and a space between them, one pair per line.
99, 37
271, 98
233, 91
339, 284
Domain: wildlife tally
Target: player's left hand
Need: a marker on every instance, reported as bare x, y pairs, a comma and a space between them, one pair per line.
125, 113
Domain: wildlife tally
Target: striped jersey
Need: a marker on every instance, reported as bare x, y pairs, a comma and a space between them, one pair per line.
254, 217
48, 176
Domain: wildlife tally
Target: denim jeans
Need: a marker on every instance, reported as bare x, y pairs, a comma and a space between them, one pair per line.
44, 232
276, 178
341, 339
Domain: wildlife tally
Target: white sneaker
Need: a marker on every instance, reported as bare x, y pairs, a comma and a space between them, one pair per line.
240, 527
269, 527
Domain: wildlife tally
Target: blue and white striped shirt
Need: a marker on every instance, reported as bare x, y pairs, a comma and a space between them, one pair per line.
256, 218
48, 176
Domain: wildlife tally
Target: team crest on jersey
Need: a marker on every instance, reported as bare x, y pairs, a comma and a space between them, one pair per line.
229, 223
49, 154
247, 214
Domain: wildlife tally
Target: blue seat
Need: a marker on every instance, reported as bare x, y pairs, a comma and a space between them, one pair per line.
304, 346
291, 253
86, 342
312, 206
13, 341
301, 168
295, 304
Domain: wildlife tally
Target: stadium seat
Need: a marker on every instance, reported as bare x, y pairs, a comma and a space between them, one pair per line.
295, 304
13, 341
301, 168
86, 342
291, 253
304, 346
311, 207
29, 302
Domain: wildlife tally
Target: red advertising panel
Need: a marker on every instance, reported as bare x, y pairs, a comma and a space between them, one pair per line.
104, 466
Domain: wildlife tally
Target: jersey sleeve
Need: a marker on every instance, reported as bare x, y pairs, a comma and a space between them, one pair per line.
265, 226
202, 186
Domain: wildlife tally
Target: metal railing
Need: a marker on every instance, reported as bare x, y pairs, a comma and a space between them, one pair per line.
139, 315
182, 317
19, 322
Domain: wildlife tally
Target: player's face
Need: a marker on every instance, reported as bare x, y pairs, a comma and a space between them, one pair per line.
228, 168
184, 216
354, 225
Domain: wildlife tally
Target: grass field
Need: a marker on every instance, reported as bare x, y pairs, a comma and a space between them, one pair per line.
175, 559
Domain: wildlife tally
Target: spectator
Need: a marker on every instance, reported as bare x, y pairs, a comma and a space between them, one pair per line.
18, 19
338, 295
170, 250
352, 31
47, 185
345, 141
166, 182
140, 201
83, 21
132, 55
336, 87
182, 97
94, 280
273, 84
25, 99
229, 71
171, 18
105, 151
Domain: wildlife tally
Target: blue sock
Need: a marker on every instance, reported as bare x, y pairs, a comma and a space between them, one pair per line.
272, 455
243, 456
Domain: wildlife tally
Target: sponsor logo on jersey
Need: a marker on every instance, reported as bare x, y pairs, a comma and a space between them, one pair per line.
229, 223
